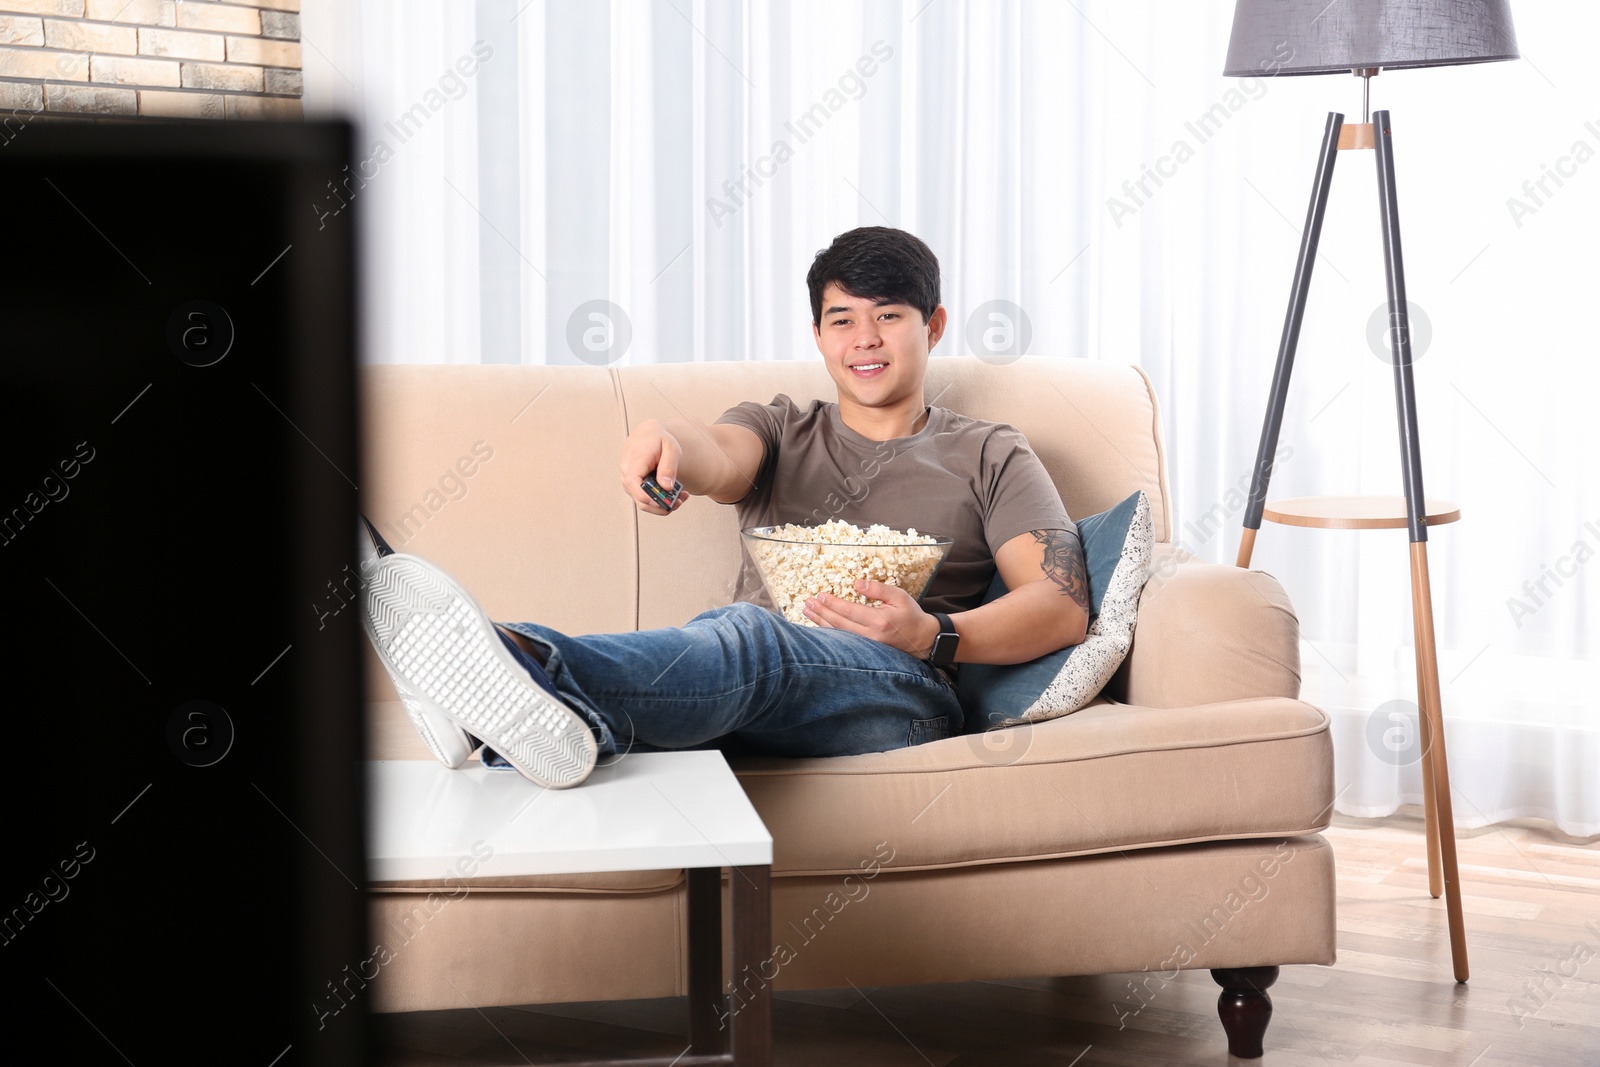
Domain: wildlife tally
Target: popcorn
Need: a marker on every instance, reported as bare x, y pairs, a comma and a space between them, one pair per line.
827, 561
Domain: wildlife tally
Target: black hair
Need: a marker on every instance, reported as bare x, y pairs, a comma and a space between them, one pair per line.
877, 263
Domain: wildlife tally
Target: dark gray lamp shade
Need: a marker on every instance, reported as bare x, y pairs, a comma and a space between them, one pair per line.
1319, 37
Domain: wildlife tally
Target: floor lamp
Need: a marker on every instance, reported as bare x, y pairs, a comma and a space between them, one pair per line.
1275, 37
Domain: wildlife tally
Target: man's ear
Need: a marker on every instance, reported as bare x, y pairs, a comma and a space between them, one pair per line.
816, 335
936, 324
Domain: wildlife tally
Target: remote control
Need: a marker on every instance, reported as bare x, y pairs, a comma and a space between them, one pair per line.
654, 490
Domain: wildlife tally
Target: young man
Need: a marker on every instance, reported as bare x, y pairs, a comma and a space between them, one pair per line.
866, 678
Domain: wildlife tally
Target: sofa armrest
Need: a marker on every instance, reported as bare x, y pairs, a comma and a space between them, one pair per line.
1209, 632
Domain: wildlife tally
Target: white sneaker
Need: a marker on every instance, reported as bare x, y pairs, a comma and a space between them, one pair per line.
447, 741
447, 658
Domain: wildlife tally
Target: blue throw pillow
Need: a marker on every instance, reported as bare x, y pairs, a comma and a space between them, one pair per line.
1116, 544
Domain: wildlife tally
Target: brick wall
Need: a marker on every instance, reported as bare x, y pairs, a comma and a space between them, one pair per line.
188, 58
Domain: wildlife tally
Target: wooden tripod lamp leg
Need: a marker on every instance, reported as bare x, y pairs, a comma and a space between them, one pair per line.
1436, 772
1247, 545
1436, 880
1262, 472
1434, 756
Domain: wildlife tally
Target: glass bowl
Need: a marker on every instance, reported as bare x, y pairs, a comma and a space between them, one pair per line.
794, 568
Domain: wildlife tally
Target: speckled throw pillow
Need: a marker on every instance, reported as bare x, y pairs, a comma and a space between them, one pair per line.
1116, 544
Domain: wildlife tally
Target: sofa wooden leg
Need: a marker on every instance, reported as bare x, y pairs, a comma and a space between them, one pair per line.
1244, 1007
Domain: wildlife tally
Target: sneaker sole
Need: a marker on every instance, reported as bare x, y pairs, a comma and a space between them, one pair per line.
445, 740
448, 742
434, 638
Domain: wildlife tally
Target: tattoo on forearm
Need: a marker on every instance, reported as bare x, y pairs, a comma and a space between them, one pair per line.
1063, 564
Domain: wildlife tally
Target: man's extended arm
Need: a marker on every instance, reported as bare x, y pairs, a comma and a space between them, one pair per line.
719, 461
1046, 609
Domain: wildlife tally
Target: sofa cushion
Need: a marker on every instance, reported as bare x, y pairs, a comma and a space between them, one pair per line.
464, 465
1111, 777
1116, 548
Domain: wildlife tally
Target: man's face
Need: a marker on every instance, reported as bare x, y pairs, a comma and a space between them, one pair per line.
858, 332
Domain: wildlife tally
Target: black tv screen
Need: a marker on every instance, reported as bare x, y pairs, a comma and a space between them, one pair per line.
184, 878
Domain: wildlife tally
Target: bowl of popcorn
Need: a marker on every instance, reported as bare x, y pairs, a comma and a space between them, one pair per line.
798, 562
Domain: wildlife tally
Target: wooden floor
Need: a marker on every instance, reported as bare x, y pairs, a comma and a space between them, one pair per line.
1531, 897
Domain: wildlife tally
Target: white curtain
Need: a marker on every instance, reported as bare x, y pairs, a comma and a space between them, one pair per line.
648, 180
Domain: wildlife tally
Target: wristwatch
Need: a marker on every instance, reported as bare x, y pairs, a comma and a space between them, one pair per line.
945, 641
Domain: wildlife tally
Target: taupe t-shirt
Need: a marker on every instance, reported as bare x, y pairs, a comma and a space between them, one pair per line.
977, 482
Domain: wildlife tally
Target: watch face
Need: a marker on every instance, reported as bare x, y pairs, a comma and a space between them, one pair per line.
944, 649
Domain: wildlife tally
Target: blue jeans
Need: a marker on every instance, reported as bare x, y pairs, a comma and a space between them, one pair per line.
746, 680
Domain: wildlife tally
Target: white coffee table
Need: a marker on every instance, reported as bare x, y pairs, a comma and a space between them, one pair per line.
647, 811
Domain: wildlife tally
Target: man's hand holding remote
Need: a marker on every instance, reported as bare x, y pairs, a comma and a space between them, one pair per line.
652, 453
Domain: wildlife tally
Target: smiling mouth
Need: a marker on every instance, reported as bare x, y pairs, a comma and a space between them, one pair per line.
868, 366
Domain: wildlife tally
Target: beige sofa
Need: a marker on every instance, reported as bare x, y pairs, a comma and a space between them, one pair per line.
1171, 824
